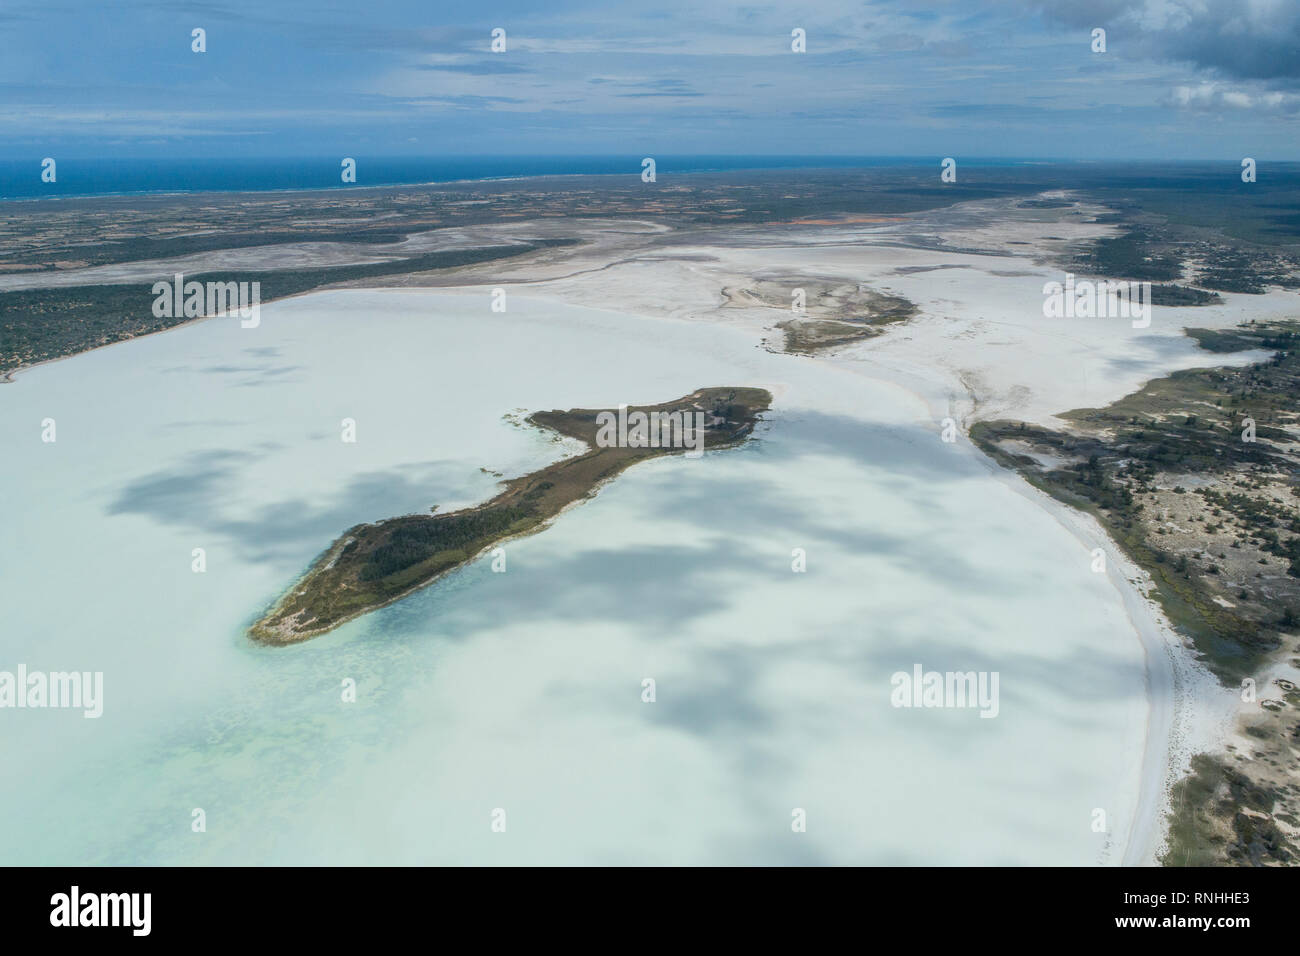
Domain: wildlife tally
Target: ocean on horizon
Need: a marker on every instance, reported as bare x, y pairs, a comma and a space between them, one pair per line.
81, 177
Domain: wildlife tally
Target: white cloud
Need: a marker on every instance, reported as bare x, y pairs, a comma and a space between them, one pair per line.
1216, 97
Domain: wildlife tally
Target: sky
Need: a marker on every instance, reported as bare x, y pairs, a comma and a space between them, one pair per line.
1179, 79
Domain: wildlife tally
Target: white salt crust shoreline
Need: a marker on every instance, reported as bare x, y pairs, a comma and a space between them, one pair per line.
1189, 712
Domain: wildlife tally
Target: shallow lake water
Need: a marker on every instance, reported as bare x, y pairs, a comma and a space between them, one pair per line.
522, 691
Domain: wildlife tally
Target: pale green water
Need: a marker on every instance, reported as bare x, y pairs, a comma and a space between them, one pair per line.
522, 690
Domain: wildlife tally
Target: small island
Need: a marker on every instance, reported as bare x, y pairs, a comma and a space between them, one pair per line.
371, 565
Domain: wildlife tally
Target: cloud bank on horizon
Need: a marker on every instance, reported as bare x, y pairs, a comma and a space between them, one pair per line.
1178, 78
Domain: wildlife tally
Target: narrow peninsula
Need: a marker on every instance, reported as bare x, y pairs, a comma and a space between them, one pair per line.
371, 565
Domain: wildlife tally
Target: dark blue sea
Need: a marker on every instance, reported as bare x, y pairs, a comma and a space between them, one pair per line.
21, 178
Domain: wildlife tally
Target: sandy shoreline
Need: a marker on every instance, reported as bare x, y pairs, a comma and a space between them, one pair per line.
1188, 710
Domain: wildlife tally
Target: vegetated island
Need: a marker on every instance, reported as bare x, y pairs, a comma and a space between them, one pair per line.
371, 565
